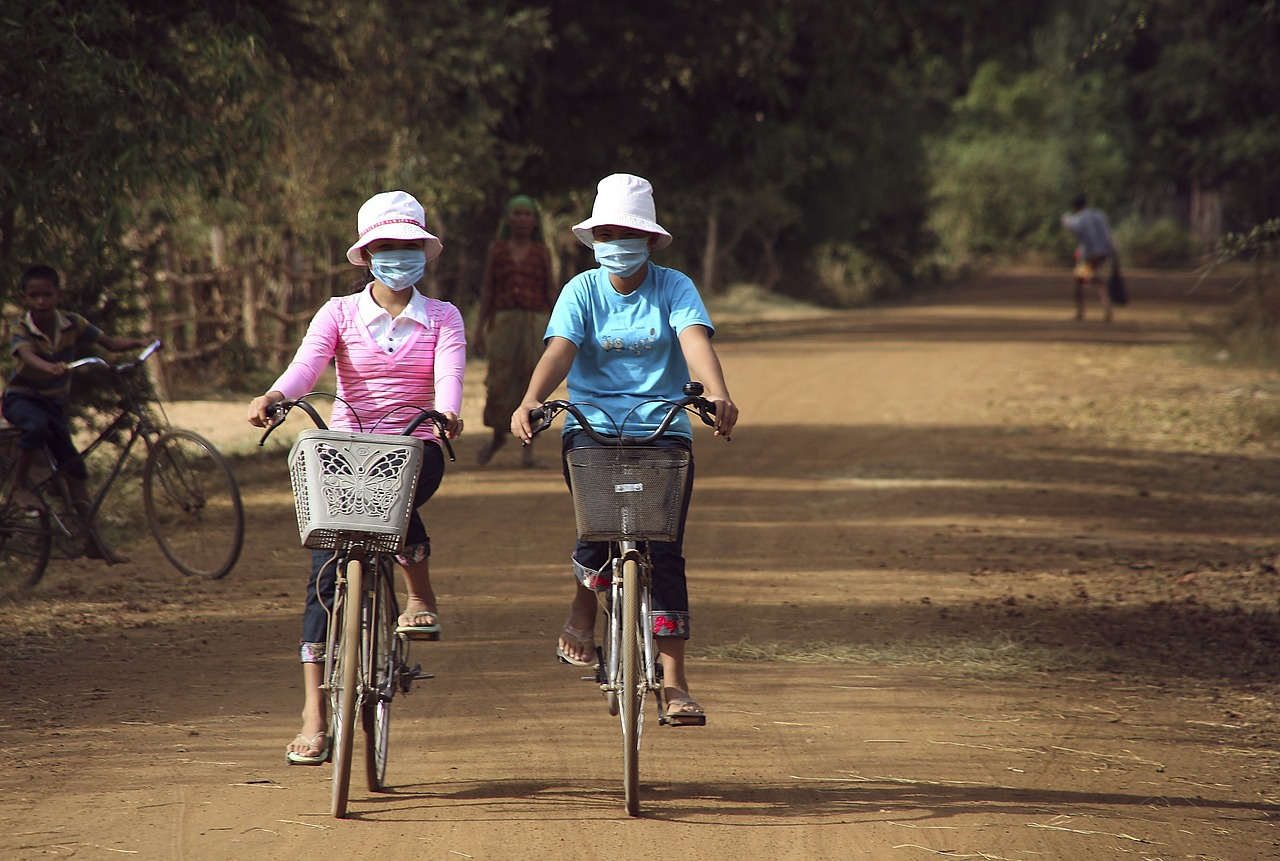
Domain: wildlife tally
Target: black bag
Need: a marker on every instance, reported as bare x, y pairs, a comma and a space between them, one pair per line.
1117, 290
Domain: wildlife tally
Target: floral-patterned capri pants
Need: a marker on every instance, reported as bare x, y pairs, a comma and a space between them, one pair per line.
592, 565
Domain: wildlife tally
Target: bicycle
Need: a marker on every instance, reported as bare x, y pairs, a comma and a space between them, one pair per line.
629, 492
354, 494
190, 496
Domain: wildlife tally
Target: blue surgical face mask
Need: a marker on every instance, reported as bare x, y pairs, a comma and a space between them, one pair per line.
399, 270
622, 257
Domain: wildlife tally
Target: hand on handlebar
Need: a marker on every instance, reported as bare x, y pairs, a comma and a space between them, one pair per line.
452, 425
726, 415
260, 413
522, 423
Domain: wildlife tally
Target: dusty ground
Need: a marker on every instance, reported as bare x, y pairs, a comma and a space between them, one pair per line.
971, 581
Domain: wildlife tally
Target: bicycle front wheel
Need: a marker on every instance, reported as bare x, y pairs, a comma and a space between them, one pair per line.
25, 546
193, 505
386, 660
344, 679
631, 694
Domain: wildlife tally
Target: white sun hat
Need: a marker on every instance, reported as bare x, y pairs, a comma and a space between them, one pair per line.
392, 215
623, 200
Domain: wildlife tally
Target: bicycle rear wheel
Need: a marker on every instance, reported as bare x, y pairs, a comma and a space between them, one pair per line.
193, 505
386, 660
344, 679
25, 547
631, 694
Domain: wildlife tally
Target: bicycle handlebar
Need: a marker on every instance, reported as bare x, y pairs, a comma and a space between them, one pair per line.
123, 366
705, 409
280, 410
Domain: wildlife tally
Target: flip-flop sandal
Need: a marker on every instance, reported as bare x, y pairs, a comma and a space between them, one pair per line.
421, 632
684, 711
320, 756
580, 636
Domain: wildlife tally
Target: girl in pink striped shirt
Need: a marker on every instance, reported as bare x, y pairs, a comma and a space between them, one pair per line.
392, 346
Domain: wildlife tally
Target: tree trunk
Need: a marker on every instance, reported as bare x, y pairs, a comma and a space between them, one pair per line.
1205, 216
711, 252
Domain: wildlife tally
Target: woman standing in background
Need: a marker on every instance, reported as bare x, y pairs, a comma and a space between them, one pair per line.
515, 302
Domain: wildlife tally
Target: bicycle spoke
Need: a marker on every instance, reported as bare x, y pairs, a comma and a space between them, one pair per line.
193, 505
387, 666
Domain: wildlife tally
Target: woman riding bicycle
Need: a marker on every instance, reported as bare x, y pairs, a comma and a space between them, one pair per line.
393, 347
627, 336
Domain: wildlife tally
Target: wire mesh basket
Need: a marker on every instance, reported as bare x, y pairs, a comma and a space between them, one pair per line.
628, 492
354, 488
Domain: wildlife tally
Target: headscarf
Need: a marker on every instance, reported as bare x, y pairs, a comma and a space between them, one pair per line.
504, 229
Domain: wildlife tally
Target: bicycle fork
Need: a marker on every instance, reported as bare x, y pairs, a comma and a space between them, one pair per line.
609, 672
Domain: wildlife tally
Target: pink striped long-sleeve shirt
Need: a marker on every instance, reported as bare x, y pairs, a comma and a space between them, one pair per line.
425, 370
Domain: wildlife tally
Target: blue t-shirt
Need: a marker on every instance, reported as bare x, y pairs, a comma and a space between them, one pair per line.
1092, 231
628, 348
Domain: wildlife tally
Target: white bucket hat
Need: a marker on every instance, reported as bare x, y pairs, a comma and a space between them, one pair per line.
626, 201
392, 215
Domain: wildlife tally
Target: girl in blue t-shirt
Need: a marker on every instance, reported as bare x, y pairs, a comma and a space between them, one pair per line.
621, 335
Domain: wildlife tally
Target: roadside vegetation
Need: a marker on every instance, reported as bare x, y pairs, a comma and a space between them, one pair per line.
194, 168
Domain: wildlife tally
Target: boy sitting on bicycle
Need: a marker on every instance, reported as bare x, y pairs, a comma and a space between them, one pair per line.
627, 335
45, 340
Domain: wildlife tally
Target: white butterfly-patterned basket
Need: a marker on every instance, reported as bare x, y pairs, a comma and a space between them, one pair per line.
354, 488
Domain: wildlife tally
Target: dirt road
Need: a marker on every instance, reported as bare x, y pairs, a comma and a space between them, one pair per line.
971, 581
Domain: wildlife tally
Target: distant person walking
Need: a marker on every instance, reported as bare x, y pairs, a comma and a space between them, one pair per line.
1094, 247
515, 303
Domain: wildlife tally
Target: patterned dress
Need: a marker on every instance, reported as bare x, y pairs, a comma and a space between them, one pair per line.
520, 311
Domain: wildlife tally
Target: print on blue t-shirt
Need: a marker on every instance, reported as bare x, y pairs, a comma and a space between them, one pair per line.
628, 347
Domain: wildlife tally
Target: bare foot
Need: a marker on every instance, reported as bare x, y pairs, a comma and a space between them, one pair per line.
307, 749
577, 646
418, 622
682, 708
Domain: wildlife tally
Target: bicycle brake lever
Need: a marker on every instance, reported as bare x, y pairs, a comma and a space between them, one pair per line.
444, 437
275, 417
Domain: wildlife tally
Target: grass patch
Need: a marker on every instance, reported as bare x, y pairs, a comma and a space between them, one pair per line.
992, 657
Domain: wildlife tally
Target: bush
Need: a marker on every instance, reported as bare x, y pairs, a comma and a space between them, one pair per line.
845, 277
1163, 242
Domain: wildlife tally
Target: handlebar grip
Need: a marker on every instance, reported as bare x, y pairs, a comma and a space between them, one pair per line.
541, 417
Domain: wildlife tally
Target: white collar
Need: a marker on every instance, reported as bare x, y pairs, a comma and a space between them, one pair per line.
370, 310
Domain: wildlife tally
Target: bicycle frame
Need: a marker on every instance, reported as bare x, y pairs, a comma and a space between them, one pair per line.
609, 677
137, 427
132, 419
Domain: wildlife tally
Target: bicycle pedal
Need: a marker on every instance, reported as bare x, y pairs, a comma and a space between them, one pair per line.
686, 720
417, 673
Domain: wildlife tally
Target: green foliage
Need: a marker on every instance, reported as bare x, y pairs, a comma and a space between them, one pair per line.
844, 276
107, 105
838, 150
1159, 243
797, 123
1250, 332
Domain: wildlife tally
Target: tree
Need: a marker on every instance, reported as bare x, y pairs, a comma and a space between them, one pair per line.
104, 103
1202, 82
